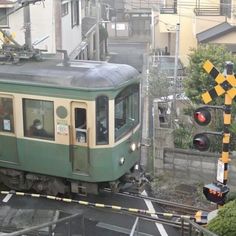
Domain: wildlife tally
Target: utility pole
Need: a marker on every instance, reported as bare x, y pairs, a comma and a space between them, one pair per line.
97, 31
173, 116
27, 26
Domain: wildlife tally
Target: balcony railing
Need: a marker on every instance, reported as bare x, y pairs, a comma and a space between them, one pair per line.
208, 11
169, 8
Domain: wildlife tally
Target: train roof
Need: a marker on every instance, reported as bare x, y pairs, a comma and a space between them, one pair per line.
78, 74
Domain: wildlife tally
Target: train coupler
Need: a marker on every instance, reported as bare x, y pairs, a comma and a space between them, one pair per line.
134, 181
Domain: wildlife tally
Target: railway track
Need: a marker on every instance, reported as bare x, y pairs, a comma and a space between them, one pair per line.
165, 205
170, 219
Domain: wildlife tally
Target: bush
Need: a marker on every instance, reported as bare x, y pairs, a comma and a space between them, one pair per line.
224, 223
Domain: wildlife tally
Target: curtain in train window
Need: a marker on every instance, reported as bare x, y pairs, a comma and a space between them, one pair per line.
38, 119
102, 120
126, 111
6, 115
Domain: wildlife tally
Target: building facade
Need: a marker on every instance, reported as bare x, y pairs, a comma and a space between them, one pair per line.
55, 24
201, 21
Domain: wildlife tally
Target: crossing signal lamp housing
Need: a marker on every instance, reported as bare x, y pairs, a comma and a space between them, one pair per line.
202, 116
216, 192
201, 142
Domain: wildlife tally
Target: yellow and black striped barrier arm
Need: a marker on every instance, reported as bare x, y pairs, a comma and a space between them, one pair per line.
99, 205
201, 217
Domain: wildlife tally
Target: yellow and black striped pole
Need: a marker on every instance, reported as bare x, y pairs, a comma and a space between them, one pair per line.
227, 121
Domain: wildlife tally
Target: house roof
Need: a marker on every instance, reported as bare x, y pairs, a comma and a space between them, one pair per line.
215, 32
6, 3
88, 25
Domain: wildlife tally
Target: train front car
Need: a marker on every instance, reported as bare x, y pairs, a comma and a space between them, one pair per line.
118, 128
72, 127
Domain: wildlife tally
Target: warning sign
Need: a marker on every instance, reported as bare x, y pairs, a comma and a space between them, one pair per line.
220, 172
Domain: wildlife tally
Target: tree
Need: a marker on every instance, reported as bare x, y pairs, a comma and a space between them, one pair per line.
198, 80
158, 84
182, 136
224, 223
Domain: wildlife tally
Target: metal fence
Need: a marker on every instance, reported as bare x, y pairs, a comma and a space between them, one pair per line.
194, 229
48, 229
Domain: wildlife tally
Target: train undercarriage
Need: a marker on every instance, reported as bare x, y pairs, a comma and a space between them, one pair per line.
24, 181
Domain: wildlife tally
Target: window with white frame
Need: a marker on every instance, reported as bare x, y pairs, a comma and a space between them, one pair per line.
74, 13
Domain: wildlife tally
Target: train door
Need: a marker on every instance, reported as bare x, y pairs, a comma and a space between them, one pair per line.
80, 157
8, 141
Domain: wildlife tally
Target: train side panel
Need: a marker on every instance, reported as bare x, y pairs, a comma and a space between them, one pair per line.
61, 156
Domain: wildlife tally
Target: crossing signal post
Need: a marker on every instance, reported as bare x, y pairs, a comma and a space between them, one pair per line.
226, 85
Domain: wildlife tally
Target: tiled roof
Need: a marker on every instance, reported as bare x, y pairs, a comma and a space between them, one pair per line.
215, 32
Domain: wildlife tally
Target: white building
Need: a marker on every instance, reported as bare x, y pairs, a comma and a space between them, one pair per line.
54, 24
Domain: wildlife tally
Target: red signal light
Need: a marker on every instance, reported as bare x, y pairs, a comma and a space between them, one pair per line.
201, 142
199, 116
202, 116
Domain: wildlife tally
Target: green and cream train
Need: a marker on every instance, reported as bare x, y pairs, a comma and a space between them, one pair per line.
68, 127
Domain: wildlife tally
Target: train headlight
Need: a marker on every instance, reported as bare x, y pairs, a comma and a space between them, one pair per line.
122, 161
133, 147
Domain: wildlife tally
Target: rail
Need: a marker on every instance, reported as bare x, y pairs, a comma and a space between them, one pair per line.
51, 224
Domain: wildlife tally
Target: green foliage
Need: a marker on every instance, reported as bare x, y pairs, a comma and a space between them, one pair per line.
198, 80
231, 196
224, 224
183, 136
158, 84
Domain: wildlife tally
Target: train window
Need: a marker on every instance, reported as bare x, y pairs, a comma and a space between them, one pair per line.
81, 125
126, 111
102, 120
38, 119
6, 115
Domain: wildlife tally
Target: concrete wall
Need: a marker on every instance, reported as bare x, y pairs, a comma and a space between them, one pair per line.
192, 165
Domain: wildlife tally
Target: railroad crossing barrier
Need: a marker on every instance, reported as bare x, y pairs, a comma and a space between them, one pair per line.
225, 85
198, 217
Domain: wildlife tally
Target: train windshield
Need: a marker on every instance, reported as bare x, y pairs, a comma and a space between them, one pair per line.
126, 111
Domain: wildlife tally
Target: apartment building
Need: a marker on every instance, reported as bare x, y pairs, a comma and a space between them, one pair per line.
201, 21
131, 18
55, 24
